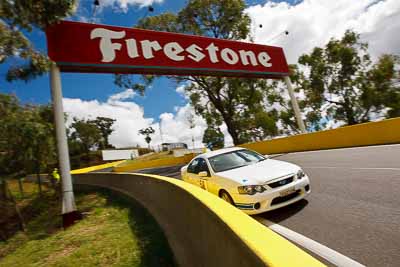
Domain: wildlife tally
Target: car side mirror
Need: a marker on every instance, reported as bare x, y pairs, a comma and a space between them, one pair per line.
203, 174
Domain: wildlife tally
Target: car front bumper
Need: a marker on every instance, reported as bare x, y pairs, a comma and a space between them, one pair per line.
272, 199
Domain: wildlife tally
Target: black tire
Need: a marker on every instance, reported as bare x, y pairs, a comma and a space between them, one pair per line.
225, 196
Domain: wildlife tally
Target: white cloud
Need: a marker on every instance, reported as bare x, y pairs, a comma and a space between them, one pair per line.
176, 127
312, 23
181, 89
130, 119
124, 4
94, 14
127, 94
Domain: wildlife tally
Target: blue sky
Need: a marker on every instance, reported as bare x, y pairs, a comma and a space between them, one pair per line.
162, 97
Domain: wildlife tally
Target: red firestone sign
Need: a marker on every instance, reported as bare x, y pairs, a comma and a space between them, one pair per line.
84, 47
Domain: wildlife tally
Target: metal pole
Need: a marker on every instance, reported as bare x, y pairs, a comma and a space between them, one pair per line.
159, 126
295, 105
68, 201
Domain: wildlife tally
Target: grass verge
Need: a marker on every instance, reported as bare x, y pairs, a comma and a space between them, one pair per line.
115, 231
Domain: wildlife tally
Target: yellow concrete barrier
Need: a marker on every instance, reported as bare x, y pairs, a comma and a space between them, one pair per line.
202, 229
97, 167
365, 134
137, 165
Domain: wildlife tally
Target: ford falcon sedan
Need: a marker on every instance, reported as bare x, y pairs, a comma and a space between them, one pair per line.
248, 180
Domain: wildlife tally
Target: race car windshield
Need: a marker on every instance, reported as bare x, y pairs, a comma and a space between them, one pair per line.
234, 159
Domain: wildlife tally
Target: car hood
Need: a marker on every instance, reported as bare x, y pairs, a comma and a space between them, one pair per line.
261, 172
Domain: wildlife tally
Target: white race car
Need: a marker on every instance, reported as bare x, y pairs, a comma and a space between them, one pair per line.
250, 181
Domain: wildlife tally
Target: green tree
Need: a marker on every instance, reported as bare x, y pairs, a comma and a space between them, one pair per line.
147, 132
105, 126
9, 106
239, 103
214, 137
27, 138
342, 81
40, 148
380, 86
86, 133
27, 144
24, 15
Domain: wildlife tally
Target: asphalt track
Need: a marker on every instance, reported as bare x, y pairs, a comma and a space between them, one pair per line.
354, 207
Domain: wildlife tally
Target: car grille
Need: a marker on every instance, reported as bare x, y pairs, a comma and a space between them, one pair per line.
279, 200
281, 182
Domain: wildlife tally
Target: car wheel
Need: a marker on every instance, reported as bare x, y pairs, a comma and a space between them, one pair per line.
225, 196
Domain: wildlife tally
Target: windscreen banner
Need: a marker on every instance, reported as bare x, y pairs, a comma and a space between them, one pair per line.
85, 47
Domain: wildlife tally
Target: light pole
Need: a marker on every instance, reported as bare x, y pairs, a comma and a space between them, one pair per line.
190, 119
161, 134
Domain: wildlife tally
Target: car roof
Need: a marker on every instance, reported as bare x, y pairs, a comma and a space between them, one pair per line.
219, 152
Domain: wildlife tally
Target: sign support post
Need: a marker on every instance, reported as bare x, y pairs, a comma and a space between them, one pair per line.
69, 211
295, 105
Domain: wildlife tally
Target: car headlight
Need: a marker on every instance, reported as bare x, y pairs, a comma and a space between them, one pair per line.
300, 174
251, 189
